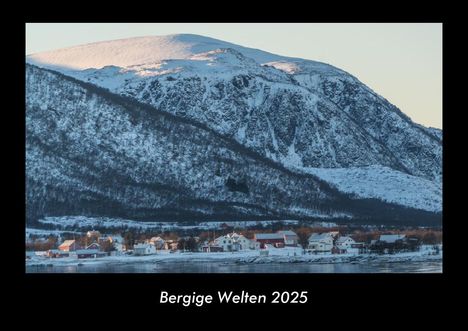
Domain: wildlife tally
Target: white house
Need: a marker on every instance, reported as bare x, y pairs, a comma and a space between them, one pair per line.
144, 249
242, 242
225, 242
344, 242
233, 242
290, 238
321, 242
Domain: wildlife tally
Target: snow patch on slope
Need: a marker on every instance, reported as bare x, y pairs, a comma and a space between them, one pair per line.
385, 184
292, 159
219, 64
288, 67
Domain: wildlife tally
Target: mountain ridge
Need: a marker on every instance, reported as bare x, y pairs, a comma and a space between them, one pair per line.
180, 46
302, 114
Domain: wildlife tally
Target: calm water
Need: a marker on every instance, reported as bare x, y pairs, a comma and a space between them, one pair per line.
219, 267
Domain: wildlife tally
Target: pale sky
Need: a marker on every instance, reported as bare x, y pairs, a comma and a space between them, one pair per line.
401, 62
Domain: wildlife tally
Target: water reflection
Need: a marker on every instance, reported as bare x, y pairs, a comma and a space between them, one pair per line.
216, 267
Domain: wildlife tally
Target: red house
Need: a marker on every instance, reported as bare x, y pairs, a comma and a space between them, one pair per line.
275, 239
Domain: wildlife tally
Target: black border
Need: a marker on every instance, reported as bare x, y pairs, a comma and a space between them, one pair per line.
324, 289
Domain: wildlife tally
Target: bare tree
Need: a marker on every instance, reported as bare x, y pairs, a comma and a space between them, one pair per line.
303, 239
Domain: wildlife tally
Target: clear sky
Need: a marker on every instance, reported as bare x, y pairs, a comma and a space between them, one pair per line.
401, 62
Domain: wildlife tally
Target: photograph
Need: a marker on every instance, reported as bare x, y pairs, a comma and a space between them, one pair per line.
233, 148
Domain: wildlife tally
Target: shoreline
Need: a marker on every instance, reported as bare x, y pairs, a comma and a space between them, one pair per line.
249, 257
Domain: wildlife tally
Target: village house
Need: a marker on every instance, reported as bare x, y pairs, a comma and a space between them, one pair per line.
157, 242
226, 243
241, 241
274, 239
344, 243
321, 242
391, 243
69, 246
244, 243
144, 249
290, 238
56, 253
233, 242
89, 253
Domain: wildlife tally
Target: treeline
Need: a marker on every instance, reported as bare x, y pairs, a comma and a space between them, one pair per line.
40, 244
425, 236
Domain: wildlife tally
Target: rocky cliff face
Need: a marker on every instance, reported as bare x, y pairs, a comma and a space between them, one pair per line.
418, 149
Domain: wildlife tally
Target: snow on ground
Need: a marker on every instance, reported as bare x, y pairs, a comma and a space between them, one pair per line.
87, 223
385, 184
276, 255
220, 63
289, 67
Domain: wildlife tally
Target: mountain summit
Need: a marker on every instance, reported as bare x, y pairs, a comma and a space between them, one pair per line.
309, 117
140, 50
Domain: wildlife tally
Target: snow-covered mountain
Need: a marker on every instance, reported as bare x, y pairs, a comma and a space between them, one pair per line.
301, 114
92, 152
